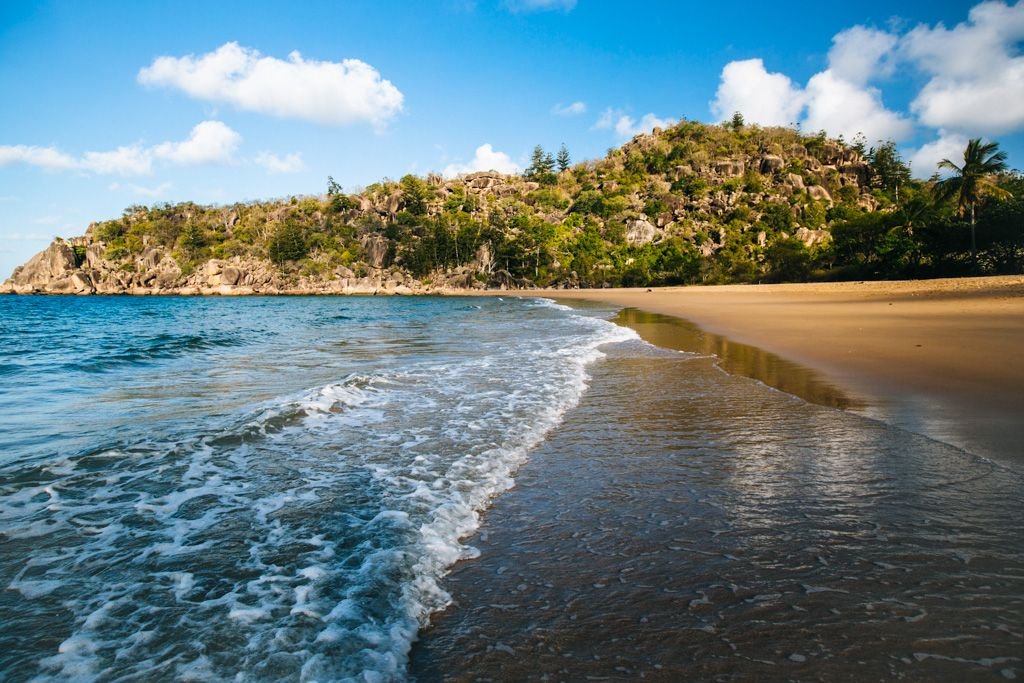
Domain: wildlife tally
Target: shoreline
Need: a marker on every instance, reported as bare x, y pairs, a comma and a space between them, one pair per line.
685, 523
940, 358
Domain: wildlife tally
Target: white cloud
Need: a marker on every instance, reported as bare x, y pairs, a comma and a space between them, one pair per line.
539, 5
975, 81
924, 162
837, 100
337, 93
44, 157
976, 76
209, 142
125, 161
485, 159
769, 99
574, 109
841, 107
290, 163
47, 220
860, 53
625, 126
153, 192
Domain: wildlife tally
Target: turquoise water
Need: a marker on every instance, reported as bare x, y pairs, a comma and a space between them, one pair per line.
265, 488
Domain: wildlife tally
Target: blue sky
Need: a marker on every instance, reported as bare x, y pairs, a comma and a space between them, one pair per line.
108, 104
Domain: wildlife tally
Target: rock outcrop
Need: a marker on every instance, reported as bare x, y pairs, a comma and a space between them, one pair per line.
55, 270
709, 191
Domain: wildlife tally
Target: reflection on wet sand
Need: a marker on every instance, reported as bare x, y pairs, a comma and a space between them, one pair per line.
686, 524
738, 359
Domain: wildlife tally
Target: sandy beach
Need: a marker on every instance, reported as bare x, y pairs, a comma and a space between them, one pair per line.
943, 358
688, 524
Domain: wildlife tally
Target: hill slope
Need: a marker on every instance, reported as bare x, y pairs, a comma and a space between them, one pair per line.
693, 203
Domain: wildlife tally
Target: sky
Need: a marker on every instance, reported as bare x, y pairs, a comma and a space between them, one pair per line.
110, 104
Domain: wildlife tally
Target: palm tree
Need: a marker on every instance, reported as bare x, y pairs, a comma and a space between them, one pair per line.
974, 180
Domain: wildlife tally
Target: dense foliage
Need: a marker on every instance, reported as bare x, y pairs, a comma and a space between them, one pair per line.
691, 204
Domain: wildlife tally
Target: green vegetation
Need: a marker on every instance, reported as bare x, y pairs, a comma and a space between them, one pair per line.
691, 204
973, 181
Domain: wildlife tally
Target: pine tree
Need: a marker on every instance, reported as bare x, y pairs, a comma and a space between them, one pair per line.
563, 158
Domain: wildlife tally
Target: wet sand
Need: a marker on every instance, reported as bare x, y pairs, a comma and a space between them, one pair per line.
688, 524
942, 358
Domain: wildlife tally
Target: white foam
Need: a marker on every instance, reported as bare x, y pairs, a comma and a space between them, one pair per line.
317, 525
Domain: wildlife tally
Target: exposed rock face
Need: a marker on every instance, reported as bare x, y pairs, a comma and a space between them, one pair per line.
729, 168
375, 249
54, 271
819, 192
51, 268
812, 237
640, 232
772, 164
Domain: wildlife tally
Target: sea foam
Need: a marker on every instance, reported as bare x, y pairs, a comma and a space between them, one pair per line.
303, 537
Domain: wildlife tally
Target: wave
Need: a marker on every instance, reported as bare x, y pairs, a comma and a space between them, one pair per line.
302, 538
144, 351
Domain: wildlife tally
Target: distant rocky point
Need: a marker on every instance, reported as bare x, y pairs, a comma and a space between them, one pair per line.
694, 203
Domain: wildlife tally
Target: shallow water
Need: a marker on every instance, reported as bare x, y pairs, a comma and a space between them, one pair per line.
261, 489
686, 524
274, 489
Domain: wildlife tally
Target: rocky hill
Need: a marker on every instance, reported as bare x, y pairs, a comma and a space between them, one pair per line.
693, 203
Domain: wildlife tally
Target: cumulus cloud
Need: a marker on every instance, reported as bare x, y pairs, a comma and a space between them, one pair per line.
625, 126
976, 77
126, 161
539, 5
925, 161
290, 163
837, 100
209, 142
485, 159
43, 157
974, 72
859, 54
574, 109
335, 93
770, 99
130, 160
842, 107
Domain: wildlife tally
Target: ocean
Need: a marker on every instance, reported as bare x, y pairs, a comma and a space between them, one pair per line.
277, 489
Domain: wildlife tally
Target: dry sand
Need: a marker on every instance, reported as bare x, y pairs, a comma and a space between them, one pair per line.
944, 358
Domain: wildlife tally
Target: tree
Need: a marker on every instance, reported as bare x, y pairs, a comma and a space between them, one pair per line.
974, 180
563, 158
542, 166
287, 243
415, 195
889, 170
192, 239
337, 200
333, 187
737, 122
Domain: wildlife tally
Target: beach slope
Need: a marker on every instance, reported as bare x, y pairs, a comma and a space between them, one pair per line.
943, 358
